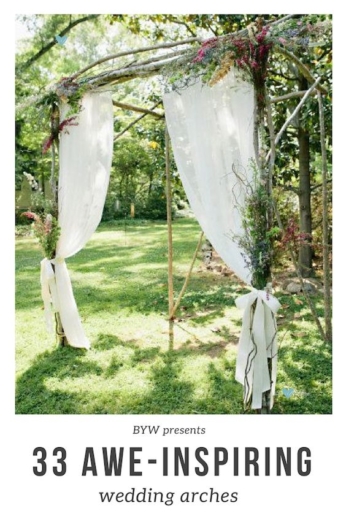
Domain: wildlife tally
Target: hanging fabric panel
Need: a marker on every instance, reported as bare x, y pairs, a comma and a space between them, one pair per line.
211, 130
85, 158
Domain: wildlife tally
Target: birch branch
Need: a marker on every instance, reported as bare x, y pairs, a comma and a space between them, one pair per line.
135, 51
125, 74
298, 93
293, 114
126, 106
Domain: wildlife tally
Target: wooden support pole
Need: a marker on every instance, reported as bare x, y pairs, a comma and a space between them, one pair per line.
187, 279
169, 228
61, 338
271, 162
264, 177
326, 264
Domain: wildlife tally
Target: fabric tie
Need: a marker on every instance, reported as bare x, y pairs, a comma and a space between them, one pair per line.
58, 296
49, 292
257, 343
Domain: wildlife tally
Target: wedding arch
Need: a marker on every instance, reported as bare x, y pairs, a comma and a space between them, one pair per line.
218, 122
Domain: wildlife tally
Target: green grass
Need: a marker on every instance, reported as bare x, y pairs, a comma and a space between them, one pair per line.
134, 365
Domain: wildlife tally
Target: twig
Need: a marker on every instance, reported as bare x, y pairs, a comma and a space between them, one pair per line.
317, 186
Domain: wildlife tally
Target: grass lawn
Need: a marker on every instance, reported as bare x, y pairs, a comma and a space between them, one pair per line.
120, 285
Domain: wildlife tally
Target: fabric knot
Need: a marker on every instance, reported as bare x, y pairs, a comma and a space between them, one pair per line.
257, 343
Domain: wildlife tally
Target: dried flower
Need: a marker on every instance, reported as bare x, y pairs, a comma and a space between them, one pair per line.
62, 126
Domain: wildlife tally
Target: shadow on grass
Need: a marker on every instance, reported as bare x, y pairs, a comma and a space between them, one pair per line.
167, 391
32, 394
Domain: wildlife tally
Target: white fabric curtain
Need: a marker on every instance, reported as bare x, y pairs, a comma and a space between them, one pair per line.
211, 129
85, 158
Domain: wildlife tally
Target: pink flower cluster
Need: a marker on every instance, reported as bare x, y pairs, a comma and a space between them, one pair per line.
206, 46
31, 215
252, 55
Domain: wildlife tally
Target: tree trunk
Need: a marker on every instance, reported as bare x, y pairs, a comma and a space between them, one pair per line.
305, 224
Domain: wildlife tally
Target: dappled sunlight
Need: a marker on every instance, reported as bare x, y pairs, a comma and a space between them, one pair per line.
139, 362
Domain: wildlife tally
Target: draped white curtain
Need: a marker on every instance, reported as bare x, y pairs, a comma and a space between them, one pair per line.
85, 158
211, 130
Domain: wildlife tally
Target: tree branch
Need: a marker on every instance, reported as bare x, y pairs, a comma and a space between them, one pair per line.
302, 68
320, 185
294, 190
135, 121
53, 42
185, 24
126, 106
293, 114
151, 67
134, 51
298, 93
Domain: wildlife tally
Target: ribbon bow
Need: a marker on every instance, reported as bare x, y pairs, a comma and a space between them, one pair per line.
257, 343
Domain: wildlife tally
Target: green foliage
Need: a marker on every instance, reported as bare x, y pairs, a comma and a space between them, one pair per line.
256, 241
46, 230
158, 26
155, 207
138, 174
44, 216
